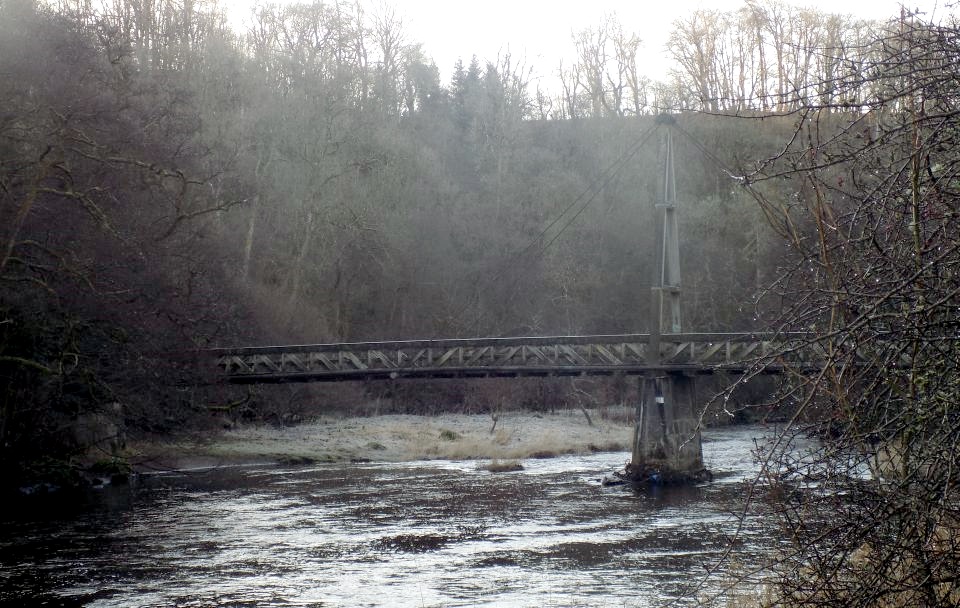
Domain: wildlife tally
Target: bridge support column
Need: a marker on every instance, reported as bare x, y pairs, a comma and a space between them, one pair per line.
666, 439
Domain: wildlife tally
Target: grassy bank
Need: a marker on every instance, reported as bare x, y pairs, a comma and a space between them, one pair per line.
513, 436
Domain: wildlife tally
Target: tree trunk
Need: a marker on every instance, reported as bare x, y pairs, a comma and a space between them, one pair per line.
301, 260
248, 243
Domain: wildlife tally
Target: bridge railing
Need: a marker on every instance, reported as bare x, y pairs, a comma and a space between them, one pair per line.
523, 356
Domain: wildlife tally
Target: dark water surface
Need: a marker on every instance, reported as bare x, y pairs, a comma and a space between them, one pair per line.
434, 533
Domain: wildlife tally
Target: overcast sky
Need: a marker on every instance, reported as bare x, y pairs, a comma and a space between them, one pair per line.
540, 30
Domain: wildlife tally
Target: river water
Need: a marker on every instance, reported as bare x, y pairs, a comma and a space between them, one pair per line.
432, 533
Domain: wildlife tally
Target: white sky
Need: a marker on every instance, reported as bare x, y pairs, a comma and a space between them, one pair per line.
539, 31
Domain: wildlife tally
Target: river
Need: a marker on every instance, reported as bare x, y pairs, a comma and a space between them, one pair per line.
429, 533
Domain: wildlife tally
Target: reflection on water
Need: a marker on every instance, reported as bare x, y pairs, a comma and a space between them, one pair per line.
412, 534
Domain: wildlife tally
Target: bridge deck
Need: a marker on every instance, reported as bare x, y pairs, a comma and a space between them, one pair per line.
500, 357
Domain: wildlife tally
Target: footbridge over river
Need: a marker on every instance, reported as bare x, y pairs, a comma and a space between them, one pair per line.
696, 354
667, 432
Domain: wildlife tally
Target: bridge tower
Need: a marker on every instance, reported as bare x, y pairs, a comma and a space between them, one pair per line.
666, 440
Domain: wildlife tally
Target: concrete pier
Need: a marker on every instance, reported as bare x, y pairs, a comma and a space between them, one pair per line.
666, 441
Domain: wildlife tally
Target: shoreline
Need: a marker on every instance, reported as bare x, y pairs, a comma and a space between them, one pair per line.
514, 436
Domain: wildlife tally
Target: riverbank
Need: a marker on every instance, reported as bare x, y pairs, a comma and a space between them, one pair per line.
395, 438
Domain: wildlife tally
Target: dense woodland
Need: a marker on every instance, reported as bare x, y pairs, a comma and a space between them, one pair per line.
169, 184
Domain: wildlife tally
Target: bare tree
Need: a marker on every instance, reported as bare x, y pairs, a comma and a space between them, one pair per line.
604, 80
873, 515
766, 55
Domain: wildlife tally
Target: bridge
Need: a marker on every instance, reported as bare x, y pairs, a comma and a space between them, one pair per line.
512, 357
666, 439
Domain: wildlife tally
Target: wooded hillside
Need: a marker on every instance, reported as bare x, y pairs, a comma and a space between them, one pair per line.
168, 184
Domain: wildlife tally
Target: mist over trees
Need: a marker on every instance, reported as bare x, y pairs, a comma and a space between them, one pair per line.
311, 179
169, 184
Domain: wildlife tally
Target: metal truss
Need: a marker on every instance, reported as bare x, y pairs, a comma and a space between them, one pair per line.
492, 357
